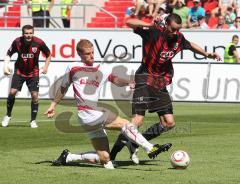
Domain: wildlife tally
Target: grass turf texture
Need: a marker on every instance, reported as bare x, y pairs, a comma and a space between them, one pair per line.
210, 133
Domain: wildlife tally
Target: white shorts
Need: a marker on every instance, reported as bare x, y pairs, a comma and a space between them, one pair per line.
93, 122
92, 117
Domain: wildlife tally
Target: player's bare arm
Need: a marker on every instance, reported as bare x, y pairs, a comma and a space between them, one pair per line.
195, 48
45, 67
135, 23
120, 82
58, 97
7, 69
235, 53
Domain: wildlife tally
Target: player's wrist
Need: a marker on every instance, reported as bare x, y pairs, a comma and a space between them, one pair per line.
207, 54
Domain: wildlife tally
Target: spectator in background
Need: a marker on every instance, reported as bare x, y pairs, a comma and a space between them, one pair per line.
221, 23
230, 52
2, 3
194, 13
236, 24
130, 13
202, 23
66, 12
182, 11
41, 9
222, 6
139, 4
237, 7
230, 16
153, 7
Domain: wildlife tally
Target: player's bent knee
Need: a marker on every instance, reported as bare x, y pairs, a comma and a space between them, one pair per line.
137, 121
104, 157
170, 125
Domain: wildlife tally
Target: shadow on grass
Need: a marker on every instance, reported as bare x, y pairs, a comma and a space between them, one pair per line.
69, 164
120, 164
18, 126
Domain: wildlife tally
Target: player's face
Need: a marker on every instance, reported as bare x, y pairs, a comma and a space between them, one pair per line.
28, 35
235, 40
87, 56
171, 32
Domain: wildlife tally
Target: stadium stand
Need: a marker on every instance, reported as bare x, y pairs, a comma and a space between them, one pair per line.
11, 18
117, 8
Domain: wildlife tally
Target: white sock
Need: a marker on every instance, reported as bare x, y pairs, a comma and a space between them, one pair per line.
132, 133
83, 157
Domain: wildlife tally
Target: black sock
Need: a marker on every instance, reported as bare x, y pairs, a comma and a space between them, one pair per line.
10, 103
34, 110
152, 132
118, 146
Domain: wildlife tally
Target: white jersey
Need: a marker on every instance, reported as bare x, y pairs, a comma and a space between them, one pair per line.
86, 82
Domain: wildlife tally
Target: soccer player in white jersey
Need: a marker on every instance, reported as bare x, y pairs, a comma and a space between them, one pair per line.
87, 78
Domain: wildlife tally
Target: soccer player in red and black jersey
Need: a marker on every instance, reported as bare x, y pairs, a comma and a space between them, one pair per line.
28, 48
160, 45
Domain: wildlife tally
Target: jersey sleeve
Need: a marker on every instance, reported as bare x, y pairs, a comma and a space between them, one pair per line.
67, 78
44, 48
12, 49
185, 44
145, 32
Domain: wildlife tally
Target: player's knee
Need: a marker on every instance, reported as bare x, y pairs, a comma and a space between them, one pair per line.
35, 99
13, 93
137, 121
104, 157
170, 124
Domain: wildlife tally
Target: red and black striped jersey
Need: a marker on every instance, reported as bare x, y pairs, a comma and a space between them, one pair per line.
157, 55
28, 56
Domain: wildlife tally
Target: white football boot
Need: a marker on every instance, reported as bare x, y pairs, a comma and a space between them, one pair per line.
133, 152
33, 124
108, 165
6, 121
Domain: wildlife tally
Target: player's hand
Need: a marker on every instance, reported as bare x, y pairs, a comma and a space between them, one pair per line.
214, 56
7, 70
132, 85
50, 112
44, 70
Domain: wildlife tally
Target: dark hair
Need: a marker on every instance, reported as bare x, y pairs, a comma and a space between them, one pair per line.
236, 18
27, 27
234, 36
173, 17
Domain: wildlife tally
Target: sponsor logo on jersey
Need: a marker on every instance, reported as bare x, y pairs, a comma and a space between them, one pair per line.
27, 56
34, 49
89, 82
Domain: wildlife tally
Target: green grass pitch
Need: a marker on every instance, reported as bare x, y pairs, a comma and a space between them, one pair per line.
210, 133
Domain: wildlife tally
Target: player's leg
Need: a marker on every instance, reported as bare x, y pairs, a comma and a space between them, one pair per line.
138, 110
159, 102
33, 87
131, 132
66, 157
16, 85
101, 145
123, 141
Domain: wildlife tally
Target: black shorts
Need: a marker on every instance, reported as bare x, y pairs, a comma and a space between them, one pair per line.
149, 98
31, 82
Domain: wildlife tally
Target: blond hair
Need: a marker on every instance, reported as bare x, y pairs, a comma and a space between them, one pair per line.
83, 43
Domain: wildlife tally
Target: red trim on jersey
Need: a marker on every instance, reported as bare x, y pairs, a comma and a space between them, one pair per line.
76, 69
84, 107
111, 77
76, 92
